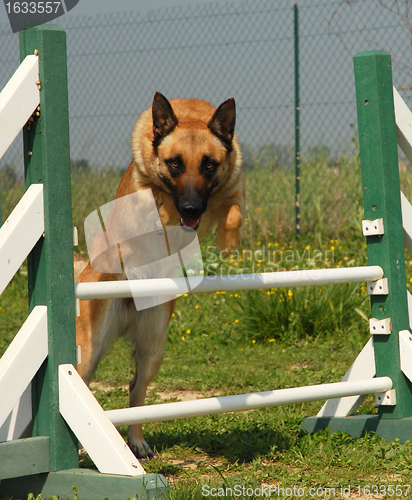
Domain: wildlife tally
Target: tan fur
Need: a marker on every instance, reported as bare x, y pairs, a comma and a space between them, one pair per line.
102, 321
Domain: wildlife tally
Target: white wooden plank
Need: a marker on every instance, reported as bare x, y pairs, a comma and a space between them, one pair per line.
403, 119
405, 351
362, 368
406, 208
20, 232
22, 359
409, 297
18, 100
18, 424
92, 427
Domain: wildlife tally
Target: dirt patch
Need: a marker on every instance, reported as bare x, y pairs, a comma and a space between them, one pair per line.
100, 386
178, 395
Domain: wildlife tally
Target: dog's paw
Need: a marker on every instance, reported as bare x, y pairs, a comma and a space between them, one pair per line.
142, 451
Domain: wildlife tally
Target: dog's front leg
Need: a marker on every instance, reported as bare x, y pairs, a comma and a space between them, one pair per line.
148, 336
227, 233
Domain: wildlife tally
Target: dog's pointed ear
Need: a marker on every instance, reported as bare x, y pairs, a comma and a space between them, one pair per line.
222, 124
164, 119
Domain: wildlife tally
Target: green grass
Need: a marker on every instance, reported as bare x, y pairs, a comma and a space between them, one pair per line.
231, 343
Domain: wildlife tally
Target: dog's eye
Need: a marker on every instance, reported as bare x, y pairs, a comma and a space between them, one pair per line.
209, 165
173, 163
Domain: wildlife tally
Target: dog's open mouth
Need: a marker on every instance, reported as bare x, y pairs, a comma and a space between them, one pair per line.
192, 223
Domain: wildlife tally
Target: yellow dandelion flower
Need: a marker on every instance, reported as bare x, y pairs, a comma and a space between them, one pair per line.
253, 341
188, 331
332, 248
196, 306
183, 338
271, 340
236, 321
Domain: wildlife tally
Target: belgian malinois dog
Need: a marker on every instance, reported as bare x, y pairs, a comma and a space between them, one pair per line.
187, 154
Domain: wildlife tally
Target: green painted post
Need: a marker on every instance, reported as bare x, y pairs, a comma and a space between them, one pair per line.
50, 264
381, 195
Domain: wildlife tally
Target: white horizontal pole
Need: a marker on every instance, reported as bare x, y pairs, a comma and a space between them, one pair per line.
175, 286
242, 402
18, 100
20, 233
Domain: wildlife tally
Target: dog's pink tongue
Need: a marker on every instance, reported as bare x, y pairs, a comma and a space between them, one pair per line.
190, 222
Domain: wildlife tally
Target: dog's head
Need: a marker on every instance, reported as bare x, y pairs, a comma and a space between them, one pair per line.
192, 146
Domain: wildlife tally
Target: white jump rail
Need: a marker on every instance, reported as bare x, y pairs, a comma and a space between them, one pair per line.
22, 359
18, 100
18, 235
403, 119
241, 402
171, 286
20, 232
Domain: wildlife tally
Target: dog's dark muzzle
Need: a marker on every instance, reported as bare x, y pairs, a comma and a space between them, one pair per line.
190, 213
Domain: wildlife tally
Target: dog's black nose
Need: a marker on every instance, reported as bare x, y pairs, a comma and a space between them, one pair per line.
191, 210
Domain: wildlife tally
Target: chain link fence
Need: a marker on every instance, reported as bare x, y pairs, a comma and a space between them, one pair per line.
245, 50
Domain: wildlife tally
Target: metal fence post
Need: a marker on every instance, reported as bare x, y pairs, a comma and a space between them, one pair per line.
297, 122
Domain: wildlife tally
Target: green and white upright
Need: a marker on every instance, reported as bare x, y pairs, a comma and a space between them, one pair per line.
40, 228
387, 229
